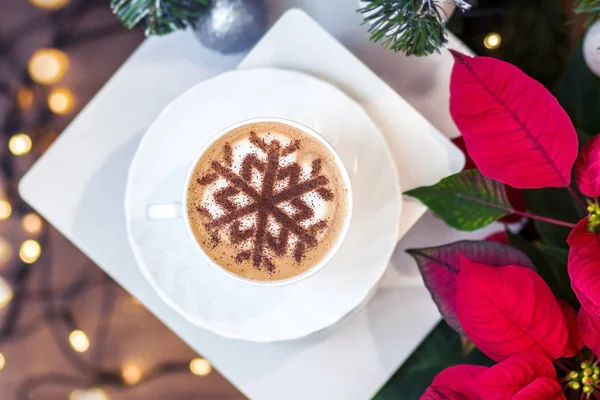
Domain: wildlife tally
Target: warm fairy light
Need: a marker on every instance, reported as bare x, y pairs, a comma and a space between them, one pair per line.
6, 292
47, 66
200, 367
25, 98
2, 361
32, 223
5, 210
89, 394
30, 251
131, 373
79, 341
492, 40
50, 4
19, 144
60, 100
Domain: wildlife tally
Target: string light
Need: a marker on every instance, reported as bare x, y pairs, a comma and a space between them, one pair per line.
32, 223
131, 373
47, 66
25, 98
5, 210
200, 367
50, 4
19, 144
2, 361
30, 251
5, 251
492, 40
89, 394
79, 341
60, 101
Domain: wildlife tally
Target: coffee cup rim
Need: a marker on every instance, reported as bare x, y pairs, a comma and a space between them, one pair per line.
343, 171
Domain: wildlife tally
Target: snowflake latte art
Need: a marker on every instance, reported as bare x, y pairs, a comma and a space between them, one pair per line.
267, 201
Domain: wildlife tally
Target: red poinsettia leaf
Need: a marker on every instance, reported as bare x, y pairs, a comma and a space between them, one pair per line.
505, 379
574, 344
589, 330
587, 304
587, 168
510, 310
515, 196
439, 267
452, 382
499, 237
460, 143
584, 266
581, 238
514, 129
541, 389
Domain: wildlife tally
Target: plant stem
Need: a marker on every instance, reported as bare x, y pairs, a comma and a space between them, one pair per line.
577, 199
544, 219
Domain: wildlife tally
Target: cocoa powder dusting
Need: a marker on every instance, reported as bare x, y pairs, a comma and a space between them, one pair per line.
266, 203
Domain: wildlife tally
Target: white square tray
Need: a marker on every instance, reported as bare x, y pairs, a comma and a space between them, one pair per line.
78, 185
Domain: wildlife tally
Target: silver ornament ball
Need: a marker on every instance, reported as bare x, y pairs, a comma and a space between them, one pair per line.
591, 48
232, 26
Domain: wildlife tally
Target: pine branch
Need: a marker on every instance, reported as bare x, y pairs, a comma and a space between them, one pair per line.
158, 17
587, 7
415, 27
590, 7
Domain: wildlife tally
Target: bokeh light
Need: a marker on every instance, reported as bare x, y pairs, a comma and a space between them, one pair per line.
492, 40
50, 4
48, 66
79, 341
200, 367
60, 101
6, 292
89, 394
2, 361
30, 251
19, 144
131, 373
25, 98
32, 223
5, 210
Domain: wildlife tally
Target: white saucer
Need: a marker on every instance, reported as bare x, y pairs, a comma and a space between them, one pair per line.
208, 298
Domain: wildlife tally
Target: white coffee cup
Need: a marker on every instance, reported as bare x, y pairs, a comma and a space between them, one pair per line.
180, 209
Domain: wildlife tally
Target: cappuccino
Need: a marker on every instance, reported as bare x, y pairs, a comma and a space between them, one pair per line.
267, 201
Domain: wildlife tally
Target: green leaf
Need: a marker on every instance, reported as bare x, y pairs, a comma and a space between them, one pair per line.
578, 92
551, 264
587, 6
557, 204
466, 201
441, 349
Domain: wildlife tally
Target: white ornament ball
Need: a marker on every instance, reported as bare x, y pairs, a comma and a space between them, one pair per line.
591, 48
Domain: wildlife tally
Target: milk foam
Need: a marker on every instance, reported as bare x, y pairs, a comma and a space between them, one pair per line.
282, 244
240, 149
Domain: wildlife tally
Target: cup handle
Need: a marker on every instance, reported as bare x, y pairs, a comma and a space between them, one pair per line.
164, 211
